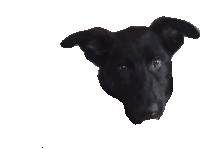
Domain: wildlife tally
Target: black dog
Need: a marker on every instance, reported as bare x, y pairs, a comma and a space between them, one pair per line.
135, 64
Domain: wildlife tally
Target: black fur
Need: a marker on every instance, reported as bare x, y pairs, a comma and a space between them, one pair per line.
135, 64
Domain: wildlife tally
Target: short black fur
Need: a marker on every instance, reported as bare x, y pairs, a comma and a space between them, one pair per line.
135, 64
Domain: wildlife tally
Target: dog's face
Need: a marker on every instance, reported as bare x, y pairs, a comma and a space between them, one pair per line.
135, 63
138, 73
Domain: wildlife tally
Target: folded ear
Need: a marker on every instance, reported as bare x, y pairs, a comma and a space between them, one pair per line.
172, 32
95, 43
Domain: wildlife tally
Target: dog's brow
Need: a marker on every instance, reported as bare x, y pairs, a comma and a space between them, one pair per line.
157, 54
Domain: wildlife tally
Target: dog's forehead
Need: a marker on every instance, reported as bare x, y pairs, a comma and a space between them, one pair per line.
136, 42
149, 39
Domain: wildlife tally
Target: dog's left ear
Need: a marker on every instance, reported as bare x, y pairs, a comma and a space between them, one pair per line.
172, 32
95, 43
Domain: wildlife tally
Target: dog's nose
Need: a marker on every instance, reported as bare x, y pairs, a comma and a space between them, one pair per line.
153, 108
151, 112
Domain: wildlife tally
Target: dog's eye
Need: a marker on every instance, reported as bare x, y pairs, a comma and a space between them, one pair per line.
156, 62
122, 68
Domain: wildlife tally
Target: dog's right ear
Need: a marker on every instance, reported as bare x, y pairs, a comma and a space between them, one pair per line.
95, 43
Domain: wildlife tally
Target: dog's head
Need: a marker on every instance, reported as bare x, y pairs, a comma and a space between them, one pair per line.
135, 63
